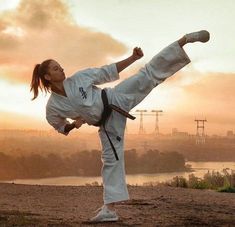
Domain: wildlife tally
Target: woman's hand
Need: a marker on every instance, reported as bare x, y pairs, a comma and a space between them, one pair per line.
137, 53
79, 122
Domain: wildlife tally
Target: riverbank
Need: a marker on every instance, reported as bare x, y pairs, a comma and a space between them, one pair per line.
199, 170
36, 205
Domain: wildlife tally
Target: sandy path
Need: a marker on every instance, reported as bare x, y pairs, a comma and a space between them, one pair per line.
26, 205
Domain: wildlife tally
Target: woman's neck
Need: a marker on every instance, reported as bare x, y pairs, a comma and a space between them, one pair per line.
58, 88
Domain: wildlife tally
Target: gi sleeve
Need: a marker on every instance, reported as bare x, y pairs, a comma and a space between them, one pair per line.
106, 73
57, 122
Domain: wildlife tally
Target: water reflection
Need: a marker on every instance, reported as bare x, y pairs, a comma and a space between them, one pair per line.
199, 169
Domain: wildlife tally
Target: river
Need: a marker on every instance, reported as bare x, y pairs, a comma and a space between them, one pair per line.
199, 169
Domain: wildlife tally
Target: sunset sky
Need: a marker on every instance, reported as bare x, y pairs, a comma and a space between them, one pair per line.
88, 33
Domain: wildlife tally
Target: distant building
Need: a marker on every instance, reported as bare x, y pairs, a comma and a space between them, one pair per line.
174, 131
230, 134
178, 134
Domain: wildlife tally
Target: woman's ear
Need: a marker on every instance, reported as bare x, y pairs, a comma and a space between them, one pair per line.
47, 77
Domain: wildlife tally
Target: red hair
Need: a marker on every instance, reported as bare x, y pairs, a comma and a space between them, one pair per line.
38, 79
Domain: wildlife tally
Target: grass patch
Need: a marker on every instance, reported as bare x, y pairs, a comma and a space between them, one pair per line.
227, 189
221, 181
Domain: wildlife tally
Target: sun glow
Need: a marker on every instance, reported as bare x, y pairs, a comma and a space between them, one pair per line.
16, 98
15, 31
6, 5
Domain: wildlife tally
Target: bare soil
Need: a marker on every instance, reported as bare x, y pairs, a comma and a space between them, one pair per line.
35, 205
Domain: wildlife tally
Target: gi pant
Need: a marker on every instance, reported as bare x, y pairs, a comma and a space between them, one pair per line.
127, 95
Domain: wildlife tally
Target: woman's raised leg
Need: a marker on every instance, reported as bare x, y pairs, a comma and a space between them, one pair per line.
163, 65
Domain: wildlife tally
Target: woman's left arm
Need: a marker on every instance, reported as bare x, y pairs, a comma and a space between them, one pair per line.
137, 54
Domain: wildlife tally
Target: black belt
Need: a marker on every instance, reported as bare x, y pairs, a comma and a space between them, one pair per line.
108, 108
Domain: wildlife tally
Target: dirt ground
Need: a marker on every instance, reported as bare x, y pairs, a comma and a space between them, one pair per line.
27, 205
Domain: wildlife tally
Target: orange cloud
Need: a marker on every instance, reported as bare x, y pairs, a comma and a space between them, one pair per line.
37, 30
211, 96
219, 86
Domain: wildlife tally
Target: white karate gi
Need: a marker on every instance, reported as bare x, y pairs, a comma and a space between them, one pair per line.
84, 100
83, 97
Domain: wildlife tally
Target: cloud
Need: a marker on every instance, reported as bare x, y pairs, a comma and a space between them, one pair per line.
9, 120
3, 24
211, 96
219, 86
42, 14
37, 30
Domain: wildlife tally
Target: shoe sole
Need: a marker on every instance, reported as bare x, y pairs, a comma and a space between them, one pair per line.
110, 219
105, 220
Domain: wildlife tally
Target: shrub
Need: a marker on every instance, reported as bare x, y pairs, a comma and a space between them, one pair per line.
227, 189
179, 182
222, 182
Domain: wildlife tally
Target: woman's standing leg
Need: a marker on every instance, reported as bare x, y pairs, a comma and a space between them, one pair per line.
113, 171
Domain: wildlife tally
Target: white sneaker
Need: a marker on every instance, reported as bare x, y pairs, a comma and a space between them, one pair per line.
105, 215
201, 36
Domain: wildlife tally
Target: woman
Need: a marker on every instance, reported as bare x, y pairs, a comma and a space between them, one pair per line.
79, 99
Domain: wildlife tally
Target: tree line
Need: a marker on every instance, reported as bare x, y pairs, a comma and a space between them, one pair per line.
85, 163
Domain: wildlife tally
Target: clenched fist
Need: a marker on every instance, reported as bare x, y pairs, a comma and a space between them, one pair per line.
79, 122
137, 53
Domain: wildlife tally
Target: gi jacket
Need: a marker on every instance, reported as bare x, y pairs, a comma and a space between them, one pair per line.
83, 97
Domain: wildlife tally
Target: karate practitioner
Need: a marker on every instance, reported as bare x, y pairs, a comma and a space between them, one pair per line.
78, 98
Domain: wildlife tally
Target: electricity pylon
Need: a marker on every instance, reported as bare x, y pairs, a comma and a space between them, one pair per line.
200, 136
156, 131
141, 128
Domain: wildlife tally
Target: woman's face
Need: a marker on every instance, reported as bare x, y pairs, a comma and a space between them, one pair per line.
55, 72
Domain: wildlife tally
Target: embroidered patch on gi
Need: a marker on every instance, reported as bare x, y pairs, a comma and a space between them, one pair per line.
83, 93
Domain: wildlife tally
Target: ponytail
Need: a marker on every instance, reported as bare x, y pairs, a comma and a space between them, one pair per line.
38, 79
35, 83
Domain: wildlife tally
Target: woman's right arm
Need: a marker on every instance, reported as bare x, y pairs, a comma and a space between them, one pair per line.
76, 124
69, 127
57, 122
61, 124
